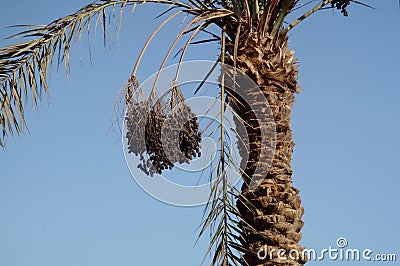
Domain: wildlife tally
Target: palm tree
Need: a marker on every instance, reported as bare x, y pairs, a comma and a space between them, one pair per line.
265, 215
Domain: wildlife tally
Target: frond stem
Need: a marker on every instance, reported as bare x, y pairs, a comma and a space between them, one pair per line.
306, 15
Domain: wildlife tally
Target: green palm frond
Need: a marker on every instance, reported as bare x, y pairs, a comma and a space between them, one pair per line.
24, 69
24, 66
221, 215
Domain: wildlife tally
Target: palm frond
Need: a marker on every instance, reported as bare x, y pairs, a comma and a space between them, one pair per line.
204, 18
24, 66
307, 14
338, 4
220, 215
24, 69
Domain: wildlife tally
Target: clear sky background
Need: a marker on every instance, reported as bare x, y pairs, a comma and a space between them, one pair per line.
67, 197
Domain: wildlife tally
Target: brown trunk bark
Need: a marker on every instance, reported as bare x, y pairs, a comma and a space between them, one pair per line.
277, 212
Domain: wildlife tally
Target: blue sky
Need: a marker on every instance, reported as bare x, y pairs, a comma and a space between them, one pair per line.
66, 194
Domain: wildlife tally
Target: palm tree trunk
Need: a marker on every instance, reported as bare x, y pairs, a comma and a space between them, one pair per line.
276, 212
